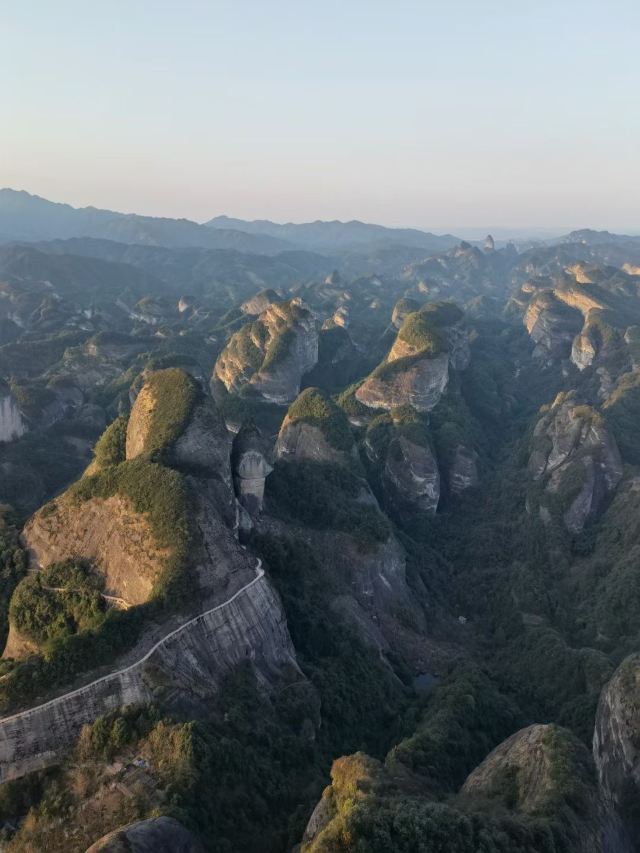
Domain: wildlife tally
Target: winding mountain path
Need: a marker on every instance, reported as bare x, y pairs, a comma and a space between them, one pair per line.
119, 672
192, 660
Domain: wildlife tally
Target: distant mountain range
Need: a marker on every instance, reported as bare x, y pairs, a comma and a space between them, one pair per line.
26, 217
335, 235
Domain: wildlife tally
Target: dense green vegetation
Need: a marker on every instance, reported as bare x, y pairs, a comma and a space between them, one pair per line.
401, 421
174, 393
315, 408
13, 565
324, 496
32, 399
62, 599
464, 718
422, 329
110, 448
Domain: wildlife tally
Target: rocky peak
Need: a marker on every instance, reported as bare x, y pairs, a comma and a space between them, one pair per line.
260, 302
271, 355
575, 460
616, 743
316, 429
416, 370
402, 309
489, 244
399, 450
552, 325
250, 468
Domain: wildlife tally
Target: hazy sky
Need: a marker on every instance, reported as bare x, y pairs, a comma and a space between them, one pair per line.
434, 114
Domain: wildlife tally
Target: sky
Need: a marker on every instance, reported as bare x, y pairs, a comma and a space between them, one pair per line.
440, 115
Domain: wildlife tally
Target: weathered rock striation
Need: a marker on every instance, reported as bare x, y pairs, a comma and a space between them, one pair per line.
416, 371
250, 468
575, 460
190, 661
399, 449
271, 355
552, 326
12, 424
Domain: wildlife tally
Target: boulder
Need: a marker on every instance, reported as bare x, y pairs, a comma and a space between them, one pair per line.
155, 835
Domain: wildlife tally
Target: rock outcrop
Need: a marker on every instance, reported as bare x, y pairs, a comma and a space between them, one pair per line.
552, 326
315, 429
583, 350
271, 355
543, 770
529, 758
575, 460
155, 835
399, 450
250, 468
463, 470
416, 371
616, 747
12, 424
260, 302
109, 533
185, 667
401, 311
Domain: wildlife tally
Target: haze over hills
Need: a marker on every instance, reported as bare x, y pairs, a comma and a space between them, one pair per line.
335, 235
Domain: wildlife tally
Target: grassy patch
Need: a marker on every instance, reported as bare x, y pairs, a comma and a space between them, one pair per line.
174, 394
110, 448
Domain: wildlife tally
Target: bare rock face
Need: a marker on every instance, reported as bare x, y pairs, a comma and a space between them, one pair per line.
544, 770
399, 450
416, 371
260, 302
583, 351
463, 471
411, 476
552, 325
156, 835
616, 747
576, 461
489, 244
12, 423
183, 670
402, 309
272, 354
250, 469
419, 383
106, 531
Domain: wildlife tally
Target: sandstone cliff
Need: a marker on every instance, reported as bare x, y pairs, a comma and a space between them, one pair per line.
182, 669
12, 423
552, 325
574, 461
399, 450
315, 429
416, 371
271, 355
